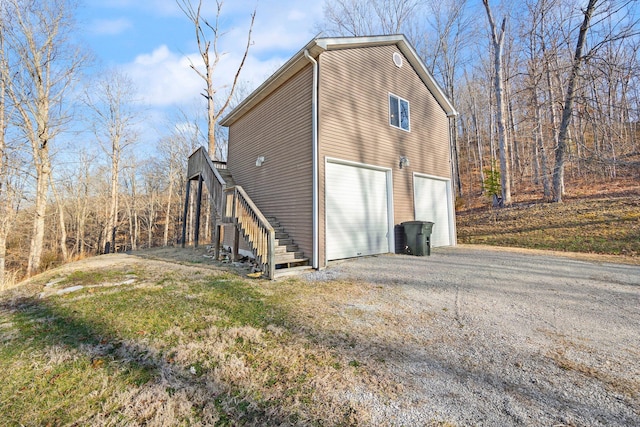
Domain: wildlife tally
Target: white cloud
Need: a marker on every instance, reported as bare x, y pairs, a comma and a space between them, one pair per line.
165, 78
110, 27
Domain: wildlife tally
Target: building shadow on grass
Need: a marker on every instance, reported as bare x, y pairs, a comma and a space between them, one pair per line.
163, 389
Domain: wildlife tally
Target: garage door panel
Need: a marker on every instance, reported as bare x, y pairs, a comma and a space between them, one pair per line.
432, 204
357, 211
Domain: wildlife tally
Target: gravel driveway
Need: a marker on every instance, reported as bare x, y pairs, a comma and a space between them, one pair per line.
482, 336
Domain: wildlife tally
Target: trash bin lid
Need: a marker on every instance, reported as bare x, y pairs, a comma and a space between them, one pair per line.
417, 222
417, 226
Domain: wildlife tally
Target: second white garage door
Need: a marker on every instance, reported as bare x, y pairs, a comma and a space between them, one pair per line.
433, 203
357, 210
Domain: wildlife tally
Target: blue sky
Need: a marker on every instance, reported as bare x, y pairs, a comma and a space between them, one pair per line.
153, 42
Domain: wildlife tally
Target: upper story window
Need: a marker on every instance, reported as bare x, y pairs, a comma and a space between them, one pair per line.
399, 112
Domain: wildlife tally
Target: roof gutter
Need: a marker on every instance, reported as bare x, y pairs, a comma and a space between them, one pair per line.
314, 114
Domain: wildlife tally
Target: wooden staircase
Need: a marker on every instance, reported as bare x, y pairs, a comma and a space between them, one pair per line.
287, 253
273, 249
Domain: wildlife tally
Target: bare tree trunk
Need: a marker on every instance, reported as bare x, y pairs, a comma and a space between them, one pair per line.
82, 217
4, 221
516, 159
112, 221
567, 111
168, 213
37, 235
455, 156
498, 46
546, 187
4, 231
479, 144
132, 210
61, 222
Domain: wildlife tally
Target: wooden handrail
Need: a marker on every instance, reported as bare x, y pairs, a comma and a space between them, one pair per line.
233, 205
255, 228
200, 164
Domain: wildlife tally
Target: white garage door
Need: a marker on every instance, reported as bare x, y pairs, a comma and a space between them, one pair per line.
357, 210
433, 203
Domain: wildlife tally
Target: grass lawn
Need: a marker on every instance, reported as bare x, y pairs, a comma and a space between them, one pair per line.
166, 347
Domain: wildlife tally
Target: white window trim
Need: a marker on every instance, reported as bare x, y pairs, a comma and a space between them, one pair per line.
408, 110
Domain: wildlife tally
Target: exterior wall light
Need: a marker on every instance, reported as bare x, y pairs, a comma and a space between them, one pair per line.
260, 161
404, 162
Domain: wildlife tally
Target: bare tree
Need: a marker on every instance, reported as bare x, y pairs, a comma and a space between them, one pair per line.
44, 64
567, 110
77, 188
497, 38
208, 34
173, 164
131, 201
348, 18
185, 136
450, 25
366, 17
113, 104
5, 198
611, 34
60, 202
152, 180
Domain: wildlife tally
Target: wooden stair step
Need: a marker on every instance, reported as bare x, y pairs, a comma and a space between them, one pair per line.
290, 257
280, 249
291, 263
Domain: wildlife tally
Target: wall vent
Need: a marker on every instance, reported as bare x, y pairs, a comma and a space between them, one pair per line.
397, 59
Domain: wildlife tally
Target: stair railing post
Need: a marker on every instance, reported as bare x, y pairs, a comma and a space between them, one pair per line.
216, 241
198, 208
185, 212
236, 243
236, 233
271, 255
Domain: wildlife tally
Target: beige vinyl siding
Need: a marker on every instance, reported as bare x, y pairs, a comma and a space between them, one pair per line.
280, 129
354, 122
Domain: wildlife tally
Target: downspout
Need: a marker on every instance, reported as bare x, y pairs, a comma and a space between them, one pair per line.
314, 114
452, 116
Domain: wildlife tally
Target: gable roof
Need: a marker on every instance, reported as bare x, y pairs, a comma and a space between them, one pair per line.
318, 45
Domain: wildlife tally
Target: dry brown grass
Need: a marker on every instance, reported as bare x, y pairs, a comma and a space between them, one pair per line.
607, 226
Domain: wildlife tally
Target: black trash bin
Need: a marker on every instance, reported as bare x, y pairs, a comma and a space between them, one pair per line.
418, 237
400, 238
